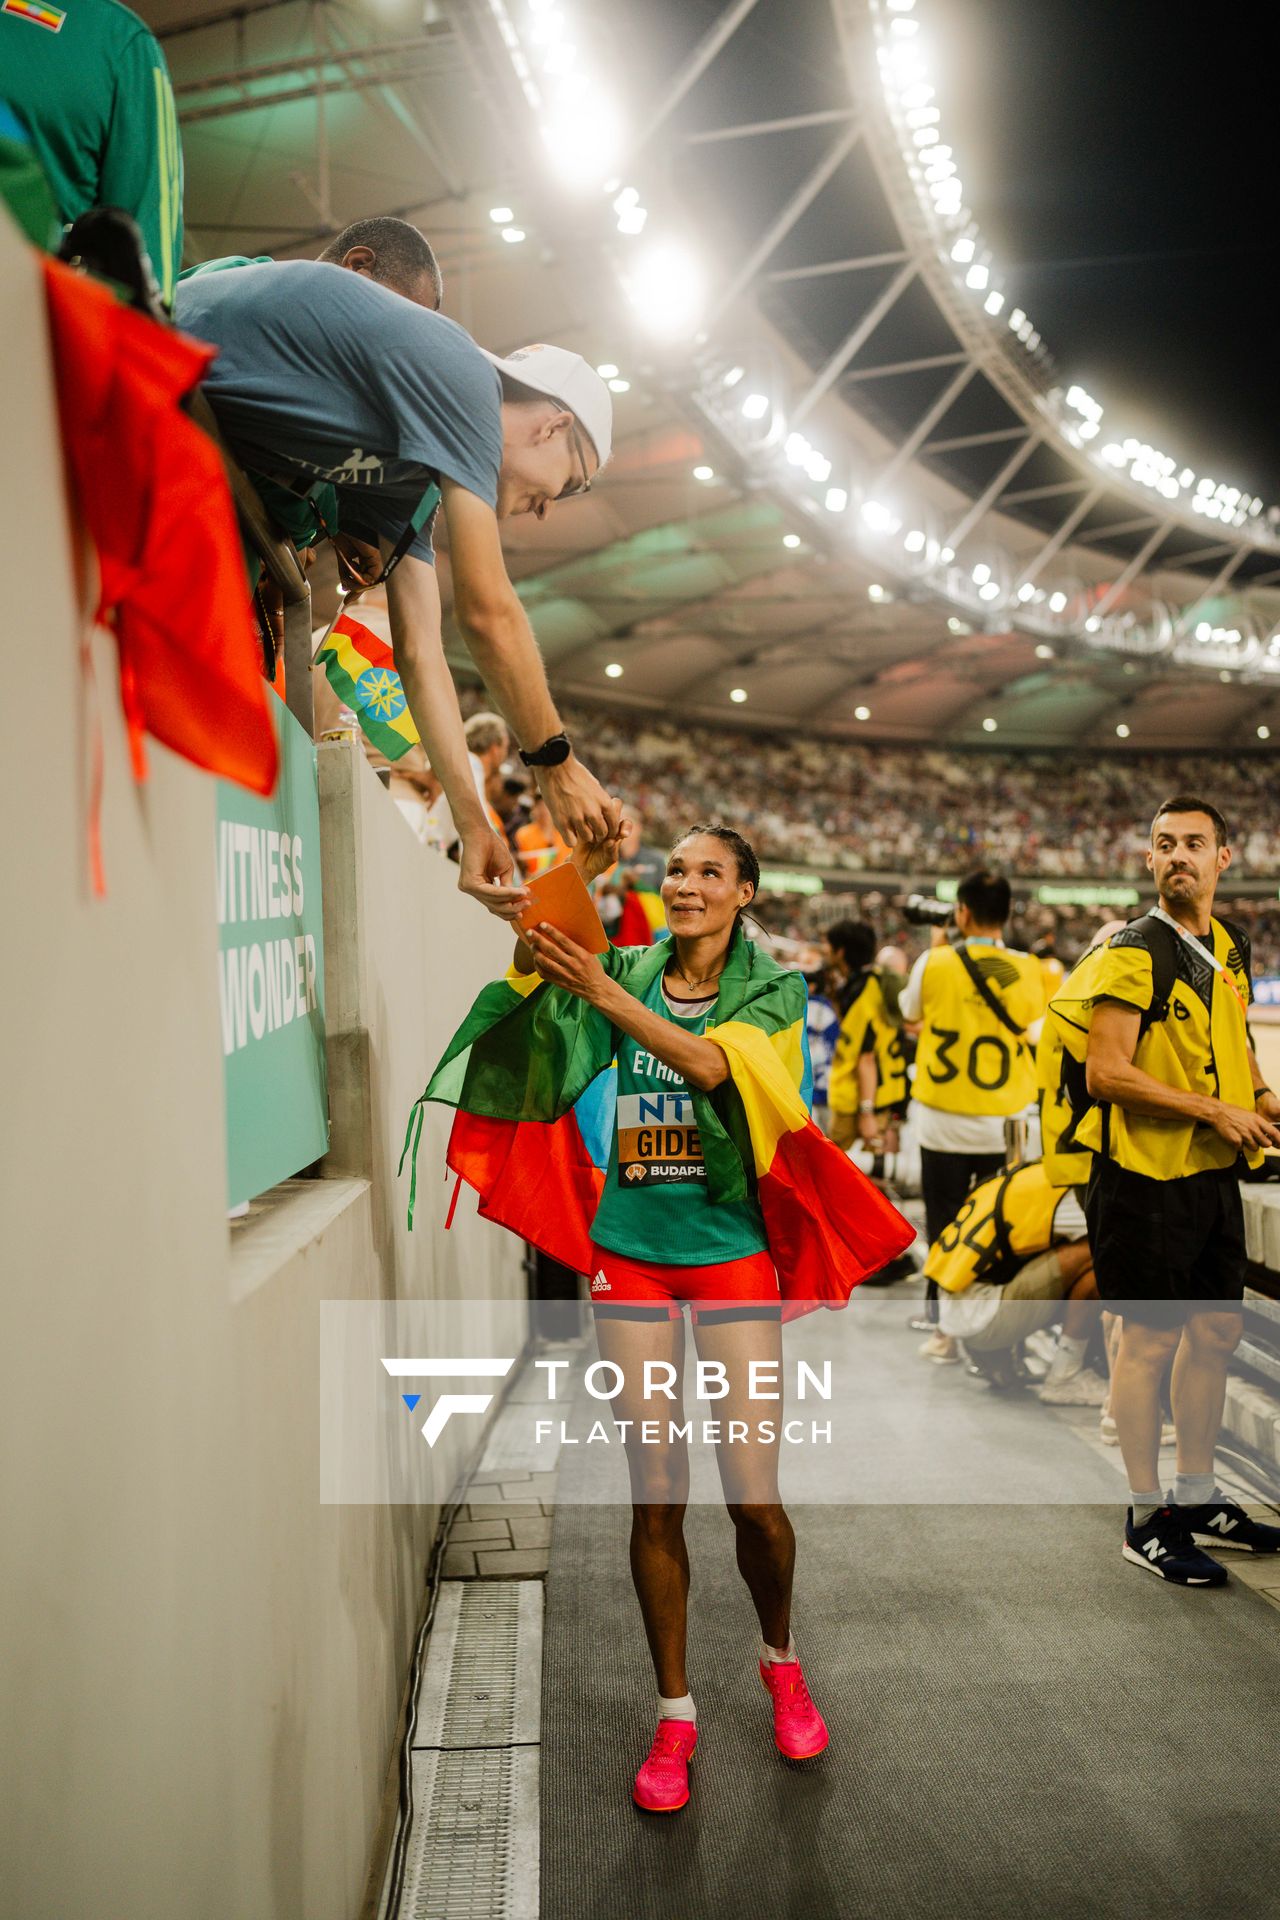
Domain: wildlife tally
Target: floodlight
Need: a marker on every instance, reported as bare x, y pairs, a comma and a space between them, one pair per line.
977, 276
1057, 602
990, 591
667, 288
619, 386
981, 574
737, 695
862, 713
914, 542
755, 406
837, 499
1264, 733
613, 670
791, 539
704, 473
1122, 731
501, 216
963, 250
993, 302
513, 235
607, 371
1045, 653
988, 725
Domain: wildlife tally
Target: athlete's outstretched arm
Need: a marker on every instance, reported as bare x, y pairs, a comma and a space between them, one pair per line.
565, 964
1111, 1075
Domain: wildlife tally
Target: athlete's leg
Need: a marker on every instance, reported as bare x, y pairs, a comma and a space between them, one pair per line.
659, 1483
1200, 1384
766, 1543
1141, 1359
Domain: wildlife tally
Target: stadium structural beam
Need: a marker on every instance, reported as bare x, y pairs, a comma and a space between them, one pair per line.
1118, 527
1224, 574
928, 420
1059, 539
854, 265
223, 17
854, 340
393, 103
987, 499
1205, 553
828, 117
299, 63
1052, 492
717, 36
990, 439
800, 201
891, 367
1132, 569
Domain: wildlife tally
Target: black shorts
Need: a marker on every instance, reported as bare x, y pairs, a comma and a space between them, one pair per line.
1165, 1246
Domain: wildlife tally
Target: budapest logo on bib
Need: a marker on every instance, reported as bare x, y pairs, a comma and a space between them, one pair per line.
658, 1140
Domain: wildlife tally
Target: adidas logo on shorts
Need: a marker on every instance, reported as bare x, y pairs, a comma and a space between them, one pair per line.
600, 1284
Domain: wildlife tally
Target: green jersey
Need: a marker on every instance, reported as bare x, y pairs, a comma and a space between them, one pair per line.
89, 83
655, 1204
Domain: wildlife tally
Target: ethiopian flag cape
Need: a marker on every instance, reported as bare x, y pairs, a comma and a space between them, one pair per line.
529, 1073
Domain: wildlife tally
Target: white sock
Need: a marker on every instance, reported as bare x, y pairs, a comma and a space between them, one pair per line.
681, 1709
1068, 1358
774, 1654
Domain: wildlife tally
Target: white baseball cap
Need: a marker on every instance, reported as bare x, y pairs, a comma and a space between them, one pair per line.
567, 378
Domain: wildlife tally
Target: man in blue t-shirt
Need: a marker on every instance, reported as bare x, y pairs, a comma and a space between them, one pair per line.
323, 376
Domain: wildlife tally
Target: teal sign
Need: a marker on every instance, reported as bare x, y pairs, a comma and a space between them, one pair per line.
271, 971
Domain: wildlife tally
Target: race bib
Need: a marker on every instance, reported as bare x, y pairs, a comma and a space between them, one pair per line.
658, 1140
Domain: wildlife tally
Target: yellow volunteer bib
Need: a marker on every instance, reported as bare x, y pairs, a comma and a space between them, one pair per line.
1200, 1047
967, 1061
1067, 1163
1008, 1219
868, 1026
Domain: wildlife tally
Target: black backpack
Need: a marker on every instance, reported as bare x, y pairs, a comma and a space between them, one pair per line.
1161, 941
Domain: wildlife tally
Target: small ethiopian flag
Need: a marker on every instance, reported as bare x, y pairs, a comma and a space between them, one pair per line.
361, 670
39, 16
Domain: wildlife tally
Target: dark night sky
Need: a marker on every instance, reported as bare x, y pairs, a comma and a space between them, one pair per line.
1122, 159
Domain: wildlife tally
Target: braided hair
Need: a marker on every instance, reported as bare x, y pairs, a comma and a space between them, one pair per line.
743, 852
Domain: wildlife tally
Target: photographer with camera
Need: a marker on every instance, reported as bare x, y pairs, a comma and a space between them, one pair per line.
973, 1000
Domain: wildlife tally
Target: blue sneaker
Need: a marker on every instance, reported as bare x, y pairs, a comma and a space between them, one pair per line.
1163, 1545
1222, 1523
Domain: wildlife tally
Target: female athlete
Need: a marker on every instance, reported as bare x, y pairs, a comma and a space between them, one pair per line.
658, 1242
719, 1193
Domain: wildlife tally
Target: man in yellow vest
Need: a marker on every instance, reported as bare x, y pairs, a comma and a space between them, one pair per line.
868, 1085
1157, 1016
974, 1002
1015, 1258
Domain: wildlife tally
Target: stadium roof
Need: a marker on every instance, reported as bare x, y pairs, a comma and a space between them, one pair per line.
851, 491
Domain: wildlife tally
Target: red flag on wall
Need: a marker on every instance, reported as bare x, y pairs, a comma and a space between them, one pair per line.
155, 500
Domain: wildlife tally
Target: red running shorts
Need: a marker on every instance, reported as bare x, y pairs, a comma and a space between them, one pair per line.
629, 1289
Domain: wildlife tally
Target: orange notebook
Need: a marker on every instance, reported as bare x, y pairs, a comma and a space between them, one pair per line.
560, 898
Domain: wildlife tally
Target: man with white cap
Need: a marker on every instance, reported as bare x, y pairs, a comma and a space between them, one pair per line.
326, 377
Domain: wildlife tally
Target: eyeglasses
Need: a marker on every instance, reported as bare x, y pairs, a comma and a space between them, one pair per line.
573, 487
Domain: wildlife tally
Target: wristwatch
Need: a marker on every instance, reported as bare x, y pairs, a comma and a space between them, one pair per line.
552, 753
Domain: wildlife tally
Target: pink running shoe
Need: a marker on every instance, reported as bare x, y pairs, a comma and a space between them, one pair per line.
798, 1728
662, 1784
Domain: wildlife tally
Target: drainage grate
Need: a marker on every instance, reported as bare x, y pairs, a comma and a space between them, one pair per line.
468, 1857
483, 1677
474, 1852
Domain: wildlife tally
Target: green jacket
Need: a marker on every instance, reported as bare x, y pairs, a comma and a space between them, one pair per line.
89, 83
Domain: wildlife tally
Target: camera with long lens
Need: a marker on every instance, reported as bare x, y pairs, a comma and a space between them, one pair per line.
922, 910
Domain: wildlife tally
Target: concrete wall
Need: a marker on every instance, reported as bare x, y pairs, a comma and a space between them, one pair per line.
202, 1665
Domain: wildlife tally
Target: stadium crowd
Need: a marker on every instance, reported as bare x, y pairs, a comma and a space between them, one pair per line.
920, 809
